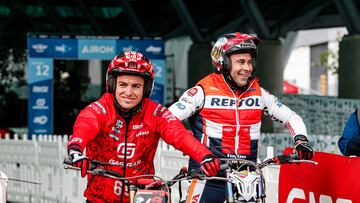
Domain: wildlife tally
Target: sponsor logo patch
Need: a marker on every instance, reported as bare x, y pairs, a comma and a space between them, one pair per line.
40, 89
62, 48
214, 88
130, 150
180, 106
118, 124
232, 102
253, 89
191, 92
185, 100
142, 133
137, 127
75, 140
39, 48
42, 120
195, 198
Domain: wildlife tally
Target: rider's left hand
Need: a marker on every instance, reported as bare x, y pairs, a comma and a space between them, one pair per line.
210, 165
302, 148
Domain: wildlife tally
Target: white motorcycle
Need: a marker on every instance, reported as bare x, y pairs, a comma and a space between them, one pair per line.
245, 180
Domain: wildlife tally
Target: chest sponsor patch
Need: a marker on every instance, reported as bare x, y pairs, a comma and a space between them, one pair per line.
141, 133
253, 89
126, 150
119, 124
137, 127
228, 102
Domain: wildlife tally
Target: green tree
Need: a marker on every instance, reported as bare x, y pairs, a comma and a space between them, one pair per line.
13, 48
330, 59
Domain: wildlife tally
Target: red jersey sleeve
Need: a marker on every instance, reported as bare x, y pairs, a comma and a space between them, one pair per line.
86, 127
173, 132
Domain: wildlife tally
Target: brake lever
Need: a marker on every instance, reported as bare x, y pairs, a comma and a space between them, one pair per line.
305, 161
196, 174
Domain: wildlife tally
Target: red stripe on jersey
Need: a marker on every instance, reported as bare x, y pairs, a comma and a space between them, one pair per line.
228, 139
244, 140
291, 129
205, 136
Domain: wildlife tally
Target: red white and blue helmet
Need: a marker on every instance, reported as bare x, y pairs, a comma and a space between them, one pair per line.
230, 44
130, 63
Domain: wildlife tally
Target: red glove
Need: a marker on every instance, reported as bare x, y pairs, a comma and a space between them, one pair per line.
210, 165
79, 160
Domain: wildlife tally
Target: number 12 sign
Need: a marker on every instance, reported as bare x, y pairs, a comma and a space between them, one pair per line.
40, 102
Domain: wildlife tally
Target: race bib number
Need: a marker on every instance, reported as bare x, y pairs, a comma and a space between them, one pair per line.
118, 186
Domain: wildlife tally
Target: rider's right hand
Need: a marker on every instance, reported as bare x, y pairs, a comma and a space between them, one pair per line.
79, 160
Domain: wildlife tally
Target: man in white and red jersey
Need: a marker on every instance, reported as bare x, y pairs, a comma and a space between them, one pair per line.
123, 129
225, 110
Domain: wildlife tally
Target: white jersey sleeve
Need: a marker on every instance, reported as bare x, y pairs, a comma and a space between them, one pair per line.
283, 114
190, 101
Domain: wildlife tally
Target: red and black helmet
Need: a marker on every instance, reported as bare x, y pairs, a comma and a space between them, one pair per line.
230, 44
132, 63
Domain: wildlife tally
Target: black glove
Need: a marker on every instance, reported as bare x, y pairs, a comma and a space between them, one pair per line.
302, 148
79, 160
210, 165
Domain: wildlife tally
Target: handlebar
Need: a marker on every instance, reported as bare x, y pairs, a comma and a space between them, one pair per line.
284, 159
140, 180
237, 162
183, 174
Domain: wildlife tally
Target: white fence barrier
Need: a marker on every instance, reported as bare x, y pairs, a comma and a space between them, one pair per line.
40, 161
3, 185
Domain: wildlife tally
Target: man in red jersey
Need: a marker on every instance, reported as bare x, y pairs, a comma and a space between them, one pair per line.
225, 110
123, 128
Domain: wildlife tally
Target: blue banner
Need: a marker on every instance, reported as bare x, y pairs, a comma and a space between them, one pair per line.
40, 101
43, 50
97, 49
52, 48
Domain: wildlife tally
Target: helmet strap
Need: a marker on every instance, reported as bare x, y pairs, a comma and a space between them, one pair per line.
147, 88
111, 84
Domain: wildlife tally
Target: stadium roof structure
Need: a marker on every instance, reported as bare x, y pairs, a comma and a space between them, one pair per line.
201, 20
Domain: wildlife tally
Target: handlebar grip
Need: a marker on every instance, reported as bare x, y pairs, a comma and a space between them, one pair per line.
199, 173
294, 156
224, 167
287, 158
